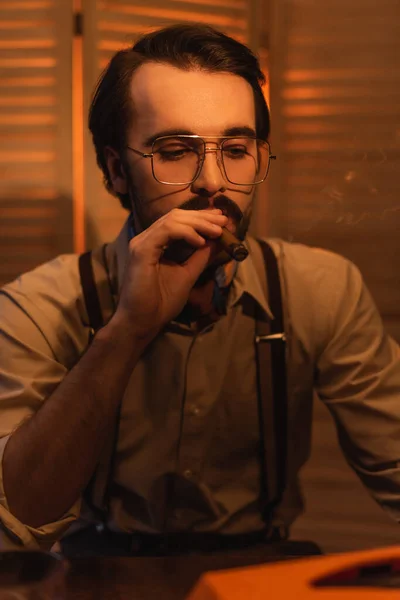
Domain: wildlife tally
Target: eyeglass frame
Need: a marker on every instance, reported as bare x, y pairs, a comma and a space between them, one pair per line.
219, 147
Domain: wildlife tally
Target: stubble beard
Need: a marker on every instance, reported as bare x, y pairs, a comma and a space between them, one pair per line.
240, 220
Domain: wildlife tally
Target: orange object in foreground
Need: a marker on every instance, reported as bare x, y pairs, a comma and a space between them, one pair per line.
351, 576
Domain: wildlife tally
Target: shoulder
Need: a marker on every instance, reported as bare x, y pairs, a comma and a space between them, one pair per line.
310, 266
309, 261
60, 273
314, 269
319, 286
55, 284
50, 297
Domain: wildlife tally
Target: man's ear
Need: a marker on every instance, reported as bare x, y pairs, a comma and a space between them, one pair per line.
116, 170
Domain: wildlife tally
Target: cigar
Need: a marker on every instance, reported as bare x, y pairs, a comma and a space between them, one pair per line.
179, 250
232, 245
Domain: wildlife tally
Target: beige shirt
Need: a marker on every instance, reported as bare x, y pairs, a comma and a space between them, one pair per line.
187, 449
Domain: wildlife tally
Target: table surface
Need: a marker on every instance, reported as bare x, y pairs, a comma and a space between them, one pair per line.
164, 578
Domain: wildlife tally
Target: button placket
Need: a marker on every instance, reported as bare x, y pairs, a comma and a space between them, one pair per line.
192, 438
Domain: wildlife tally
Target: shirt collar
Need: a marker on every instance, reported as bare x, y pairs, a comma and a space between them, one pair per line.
117, 256
246, 279
249, 281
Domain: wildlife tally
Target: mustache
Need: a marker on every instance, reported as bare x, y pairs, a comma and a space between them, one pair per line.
228, 207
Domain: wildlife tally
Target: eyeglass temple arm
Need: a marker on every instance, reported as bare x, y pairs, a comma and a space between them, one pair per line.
143, 154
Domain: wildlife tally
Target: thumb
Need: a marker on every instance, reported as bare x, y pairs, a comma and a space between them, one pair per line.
196, 264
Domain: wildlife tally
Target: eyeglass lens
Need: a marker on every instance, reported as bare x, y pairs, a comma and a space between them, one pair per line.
179, 159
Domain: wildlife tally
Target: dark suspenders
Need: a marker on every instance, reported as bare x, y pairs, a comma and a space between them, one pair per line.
97, 491
271, 383
270, 344
90, 294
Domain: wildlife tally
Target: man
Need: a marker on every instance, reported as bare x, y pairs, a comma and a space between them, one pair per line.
180, 128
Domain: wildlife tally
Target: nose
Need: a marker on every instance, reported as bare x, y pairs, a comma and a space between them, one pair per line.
211, 178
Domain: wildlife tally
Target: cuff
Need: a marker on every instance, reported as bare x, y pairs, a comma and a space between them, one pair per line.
16, 534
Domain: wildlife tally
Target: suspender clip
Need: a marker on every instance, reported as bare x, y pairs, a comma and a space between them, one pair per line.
274, 337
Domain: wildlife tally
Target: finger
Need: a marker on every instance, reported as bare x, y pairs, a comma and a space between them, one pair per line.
194, 232
194, 216
191, 226
151, 244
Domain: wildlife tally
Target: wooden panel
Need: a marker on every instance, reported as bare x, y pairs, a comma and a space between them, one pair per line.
113, 24
35, 172
336, 130
340, 513
335, 87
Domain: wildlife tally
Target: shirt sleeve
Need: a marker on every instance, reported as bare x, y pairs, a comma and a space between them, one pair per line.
358, 378
29, 373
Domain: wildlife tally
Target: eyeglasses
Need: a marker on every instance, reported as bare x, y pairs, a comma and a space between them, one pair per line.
178, 159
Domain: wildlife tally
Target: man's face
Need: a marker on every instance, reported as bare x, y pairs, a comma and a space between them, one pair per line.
170, 100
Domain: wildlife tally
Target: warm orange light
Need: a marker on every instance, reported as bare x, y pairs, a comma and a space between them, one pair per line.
9, 82
20, 119
29, 174
27, 43
17, 156
19, 24
42, 193
332, 74
113, 45
12, 101
26, 63
120, 27
26, 5
77, 140
176, 15
242, 4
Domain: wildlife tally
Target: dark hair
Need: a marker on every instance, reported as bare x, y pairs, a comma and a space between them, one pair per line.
184, 46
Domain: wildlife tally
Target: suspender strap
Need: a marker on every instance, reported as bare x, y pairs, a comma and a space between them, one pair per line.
271, 382
90, 292
272, 389
96, 493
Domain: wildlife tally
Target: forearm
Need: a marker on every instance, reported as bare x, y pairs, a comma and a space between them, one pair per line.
49, 460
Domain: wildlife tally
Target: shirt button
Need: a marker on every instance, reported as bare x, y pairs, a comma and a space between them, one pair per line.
195, 411
188, 473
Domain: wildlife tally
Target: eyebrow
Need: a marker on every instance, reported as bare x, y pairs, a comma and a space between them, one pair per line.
230, 131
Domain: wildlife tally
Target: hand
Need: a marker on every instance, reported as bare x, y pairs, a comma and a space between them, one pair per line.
154, 291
